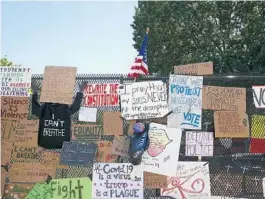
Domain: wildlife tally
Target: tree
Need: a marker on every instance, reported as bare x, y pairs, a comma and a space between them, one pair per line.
229, 33
6, 62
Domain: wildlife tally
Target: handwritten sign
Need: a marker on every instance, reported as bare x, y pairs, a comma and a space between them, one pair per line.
185, 100
14, 108
16, 190
8, 129
231, 124
143, 100
259, 96
86, 132
87, 114
192, 181
74, 188
101, 95
154, 181
113, 124
205, 68
26, 153
52, 159
120, 146
258, 126
40, 191
30, 172
116, 180
104, 152
224, 98
15, 81
162, 154
78, 154
27, 132
58, 84
6, 149
199, 143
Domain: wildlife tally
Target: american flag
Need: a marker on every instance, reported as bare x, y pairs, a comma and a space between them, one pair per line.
140, 67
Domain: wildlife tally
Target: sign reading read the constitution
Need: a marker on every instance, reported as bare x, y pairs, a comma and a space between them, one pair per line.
143, 100
101, 95
15, 81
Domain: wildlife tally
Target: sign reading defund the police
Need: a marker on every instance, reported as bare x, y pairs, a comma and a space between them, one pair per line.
185, 100
143, 100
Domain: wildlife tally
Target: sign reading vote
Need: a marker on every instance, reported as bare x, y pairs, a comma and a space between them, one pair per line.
143, 100
78, 154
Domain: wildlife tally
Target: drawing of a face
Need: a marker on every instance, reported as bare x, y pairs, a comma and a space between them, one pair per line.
158, 141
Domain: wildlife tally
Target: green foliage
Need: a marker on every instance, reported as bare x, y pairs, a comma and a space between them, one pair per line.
229, 33
6, 62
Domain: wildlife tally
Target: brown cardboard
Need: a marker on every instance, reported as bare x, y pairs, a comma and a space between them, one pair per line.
58, 84
86, 132
52, 159
8, 130
30, 172
17, 189
6, 149
26, 153
205, 68
223, 98
113, 124
154, 181
104, 153
120, 146
3, 180
14, 108
233, 124
27, 132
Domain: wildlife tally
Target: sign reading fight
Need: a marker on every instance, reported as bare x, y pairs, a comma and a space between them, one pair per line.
101, 95
15, 81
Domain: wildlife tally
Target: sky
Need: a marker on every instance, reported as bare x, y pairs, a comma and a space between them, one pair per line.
95, 37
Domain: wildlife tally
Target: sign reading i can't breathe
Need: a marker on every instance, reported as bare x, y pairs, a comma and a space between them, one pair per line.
15, 81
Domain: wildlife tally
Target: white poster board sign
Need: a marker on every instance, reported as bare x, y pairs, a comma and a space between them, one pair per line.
116, 181
185, 100
192, 181
87, 114
259, 96
15, 81
199, 143
263, 185
161, 157
143, 100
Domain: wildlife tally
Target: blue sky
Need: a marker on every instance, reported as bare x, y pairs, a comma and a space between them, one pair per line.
95, 37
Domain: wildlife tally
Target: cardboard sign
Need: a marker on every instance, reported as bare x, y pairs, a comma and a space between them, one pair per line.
52, 159
120, 146
161, 157
143, 100
205, 68
26, 153
3, 180
224, 98
154, 181
6, 149
15, 81
14, 108
8, 130
78, 154
74, 188
189, 176
30, 172
86, 132
185, 100
101, 95
113, 124
259, 96
116, 180
258, 126
17, 190
40, 191
104, 153
231, 124
199, 143
58, 84
27, 132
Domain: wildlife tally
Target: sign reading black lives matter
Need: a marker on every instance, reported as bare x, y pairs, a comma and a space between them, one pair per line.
15, 81
117, 180
143, 100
